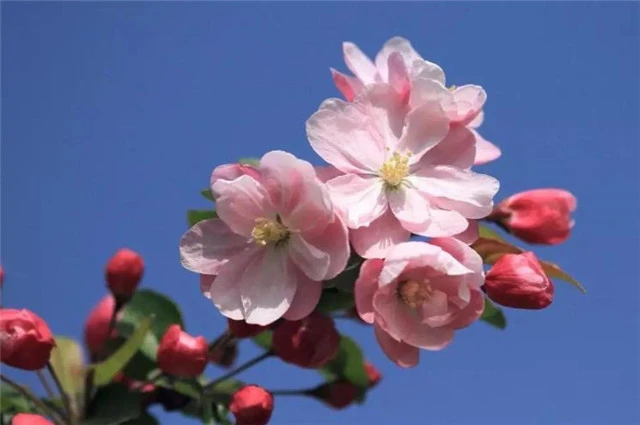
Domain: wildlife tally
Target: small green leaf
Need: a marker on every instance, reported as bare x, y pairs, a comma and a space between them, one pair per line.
493, 315
11, 401
207, 194
107, 369
254, 162
196, 216
68, 363
554, 271
264, 339
114, 405
189, 387
348, 364
332, 300
487, 232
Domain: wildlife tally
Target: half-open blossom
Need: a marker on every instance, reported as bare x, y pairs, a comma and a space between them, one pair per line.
124, 272
181, 354
251, 405
276, 239
25, 339
29, 419
96, 328
401, 174
518, 280
416, 79
541, 216
419, 295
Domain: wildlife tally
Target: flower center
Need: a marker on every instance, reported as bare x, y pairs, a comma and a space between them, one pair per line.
267, 231
414, 293
395, 169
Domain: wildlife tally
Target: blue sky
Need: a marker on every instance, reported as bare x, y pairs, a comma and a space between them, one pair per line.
114, 115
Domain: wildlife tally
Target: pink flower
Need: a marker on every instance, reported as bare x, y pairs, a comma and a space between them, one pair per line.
400, 66
419, 295
401, 174
276, 239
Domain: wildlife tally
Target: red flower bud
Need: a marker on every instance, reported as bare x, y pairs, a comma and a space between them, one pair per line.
25, 339
1, 276
124, 272
337, 394
251, 405
373, 374
224, 355
518, 280
311, 342
242, 329
541, 216
97, 325
29, 419
182, 355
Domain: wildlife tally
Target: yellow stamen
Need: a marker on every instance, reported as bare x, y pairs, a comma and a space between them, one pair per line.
268, 231
414, 293
394, 170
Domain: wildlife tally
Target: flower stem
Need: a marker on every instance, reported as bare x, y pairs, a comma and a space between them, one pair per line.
209, 387
50, 393
32, 397
65, 397
299, 392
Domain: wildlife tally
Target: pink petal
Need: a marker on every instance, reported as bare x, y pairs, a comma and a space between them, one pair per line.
363, 199
306, 298
409, 206
485, 150
348, 86
396, 316
425, 127
333, 240
400, 353
457, 149
435, 311
312, 261
465, 255
412, 59
327, 173
240, 202
365, 287
426, 90
233, 171
205, 283
470, 235
398, 75
359, 63
471, 312
442, 223
375, 240
208, 245
267, 287
429, 338
477, 121
296, 193
468, 101
464, 191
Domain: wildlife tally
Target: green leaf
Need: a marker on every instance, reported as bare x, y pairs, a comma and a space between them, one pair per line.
222, 392
348, 364
188, 387
332, 300
207, 194
146, 303
264, 339
107, 369
68, 363
196, 216
493, 315
11, 401
554, 271
254, 162
114, 405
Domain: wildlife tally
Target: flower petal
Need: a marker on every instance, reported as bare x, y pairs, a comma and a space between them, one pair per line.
442, 223
425, 127
375, 240
404, 355
457, 149
233, 171
485, 150
348, 86
464, 191
365, 287
208, 245
205, 283
267, 287
465, 255
414, 62
471, 312
409, 206
468, 101
470, 234
359, 63
426, 90
428, 338
312, 261
362, 199
333, 240
399, 75
397, 317
306, 298
239, 202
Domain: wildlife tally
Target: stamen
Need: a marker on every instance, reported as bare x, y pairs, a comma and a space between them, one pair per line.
395, 169
268, 231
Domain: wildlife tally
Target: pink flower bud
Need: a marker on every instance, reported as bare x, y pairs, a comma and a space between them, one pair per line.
242, 329
337, 394
373, 374
251, 405
541, 216
182, 355
25, 339
29, 419
97, 325
311, 342
124, 272
518, 280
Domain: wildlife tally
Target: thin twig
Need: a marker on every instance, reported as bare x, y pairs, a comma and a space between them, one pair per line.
210, 386
39, 403
65, 397
50, 393
300, 392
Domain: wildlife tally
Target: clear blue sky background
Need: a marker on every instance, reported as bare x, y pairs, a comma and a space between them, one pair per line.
114, 115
